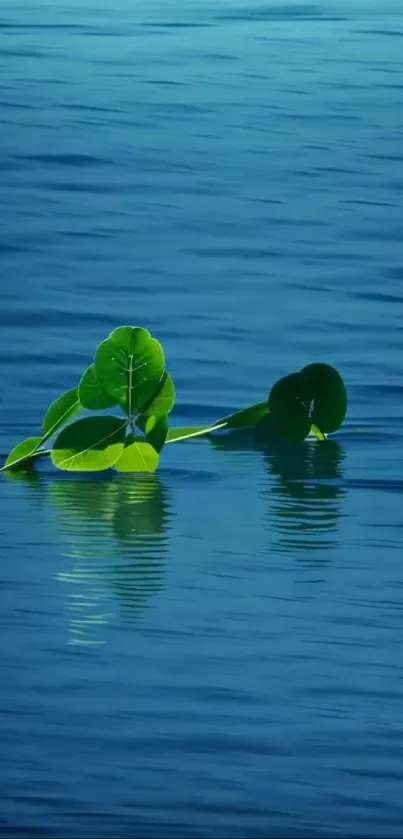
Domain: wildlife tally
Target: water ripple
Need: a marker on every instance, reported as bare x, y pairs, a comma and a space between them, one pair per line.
215, 650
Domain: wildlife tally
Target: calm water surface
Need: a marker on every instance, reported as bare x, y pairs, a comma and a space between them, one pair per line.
214, 651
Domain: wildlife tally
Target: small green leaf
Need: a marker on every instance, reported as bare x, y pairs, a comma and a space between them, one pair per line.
22, 453
127, 362
90, 444
156, 430
317, 433
327, 392
61, 411
162, 401
91, 393
138, 456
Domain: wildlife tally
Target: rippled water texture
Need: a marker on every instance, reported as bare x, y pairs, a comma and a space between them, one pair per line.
213, 651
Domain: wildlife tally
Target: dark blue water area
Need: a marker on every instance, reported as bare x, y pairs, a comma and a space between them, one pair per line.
213, 651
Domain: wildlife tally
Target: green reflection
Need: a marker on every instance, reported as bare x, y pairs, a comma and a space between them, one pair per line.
115, 532
306, 498
28, 476
305, 495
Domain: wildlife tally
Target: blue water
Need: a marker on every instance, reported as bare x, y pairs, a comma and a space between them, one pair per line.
214, 651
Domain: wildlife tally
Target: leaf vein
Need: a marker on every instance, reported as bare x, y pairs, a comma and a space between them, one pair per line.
90, 448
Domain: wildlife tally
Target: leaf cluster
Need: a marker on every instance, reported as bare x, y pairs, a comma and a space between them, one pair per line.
129, 374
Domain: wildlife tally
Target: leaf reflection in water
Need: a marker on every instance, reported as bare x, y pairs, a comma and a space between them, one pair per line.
116, 535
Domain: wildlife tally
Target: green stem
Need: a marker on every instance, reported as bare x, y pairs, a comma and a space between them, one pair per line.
198, 432
245, 418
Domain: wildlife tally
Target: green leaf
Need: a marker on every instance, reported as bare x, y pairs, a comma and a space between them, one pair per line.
91, 393
141, 422
288, 394
130, 365
246, 418
61, 411
162, 401
288, 419
156, 430
138, 456
287, 429
313, 400
317, 433
22, 453
90, 444
327, 393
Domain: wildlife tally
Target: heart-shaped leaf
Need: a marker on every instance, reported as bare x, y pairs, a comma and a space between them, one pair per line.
138, 456
327, 394
313, 400
90, 444
91, 393
130, 365
288, 419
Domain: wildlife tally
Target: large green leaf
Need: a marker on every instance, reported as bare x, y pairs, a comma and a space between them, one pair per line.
130, 365
61, 411
288, 394
138, 456
90, 444
91, 393
22, 453
288, 419
327, 394
313, 400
